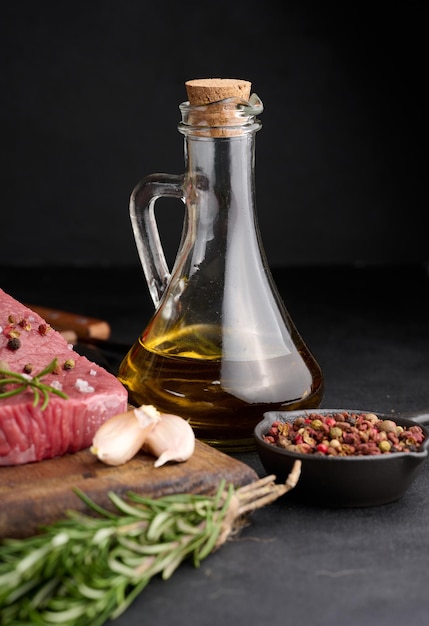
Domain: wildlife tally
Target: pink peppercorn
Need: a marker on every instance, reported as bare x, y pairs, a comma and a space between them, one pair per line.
344, 434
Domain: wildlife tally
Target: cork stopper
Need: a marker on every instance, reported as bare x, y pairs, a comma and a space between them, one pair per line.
211, 113
205, 90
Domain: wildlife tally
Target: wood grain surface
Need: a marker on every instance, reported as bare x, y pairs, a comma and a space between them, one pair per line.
39, 493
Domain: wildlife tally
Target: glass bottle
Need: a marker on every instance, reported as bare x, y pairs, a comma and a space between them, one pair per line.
221, 347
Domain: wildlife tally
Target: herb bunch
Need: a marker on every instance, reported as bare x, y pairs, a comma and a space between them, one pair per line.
22, 382
86, 569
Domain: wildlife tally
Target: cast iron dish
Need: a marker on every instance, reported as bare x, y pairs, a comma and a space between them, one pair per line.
353, 481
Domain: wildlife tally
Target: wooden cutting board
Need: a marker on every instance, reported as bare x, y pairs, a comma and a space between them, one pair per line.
40, 493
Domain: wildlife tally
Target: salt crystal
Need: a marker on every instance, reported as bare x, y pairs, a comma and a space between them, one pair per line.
55, 384
83, 386
92, 372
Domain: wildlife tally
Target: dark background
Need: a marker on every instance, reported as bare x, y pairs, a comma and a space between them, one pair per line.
89, 105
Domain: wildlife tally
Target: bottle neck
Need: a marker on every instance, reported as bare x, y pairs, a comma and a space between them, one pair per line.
220, 196
219, 150
225, 118
220, 171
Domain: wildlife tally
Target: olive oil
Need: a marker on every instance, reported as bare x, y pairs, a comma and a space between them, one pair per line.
223, 399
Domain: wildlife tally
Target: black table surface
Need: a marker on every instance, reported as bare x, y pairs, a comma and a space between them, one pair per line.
295, 563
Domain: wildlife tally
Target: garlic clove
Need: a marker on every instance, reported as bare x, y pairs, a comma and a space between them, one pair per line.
122, 436
172, 439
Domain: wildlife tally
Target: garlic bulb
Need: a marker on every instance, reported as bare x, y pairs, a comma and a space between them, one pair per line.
172, 439
122, 436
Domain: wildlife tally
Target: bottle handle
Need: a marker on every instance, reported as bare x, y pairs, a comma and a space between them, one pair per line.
145, 228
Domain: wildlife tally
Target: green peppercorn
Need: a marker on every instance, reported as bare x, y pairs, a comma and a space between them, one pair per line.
385, 445
317, 424
335, 432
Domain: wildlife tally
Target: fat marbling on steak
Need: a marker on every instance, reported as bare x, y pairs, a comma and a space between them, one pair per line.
28, 433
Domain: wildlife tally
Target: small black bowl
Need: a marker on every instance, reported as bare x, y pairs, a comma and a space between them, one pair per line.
352, 481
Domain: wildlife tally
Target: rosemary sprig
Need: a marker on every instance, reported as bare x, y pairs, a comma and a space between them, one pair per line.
89, 568
23, 382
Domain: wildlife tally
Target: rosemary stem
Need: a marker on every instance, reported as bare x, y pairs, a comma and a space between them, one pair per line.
86, 569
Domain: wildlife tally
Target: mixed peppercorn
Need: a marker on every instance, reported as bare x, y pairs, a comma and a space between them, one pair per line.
344, 434
13, 332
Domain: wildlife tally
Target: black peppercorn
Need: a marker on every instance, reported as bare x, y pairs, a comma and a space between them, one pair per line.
14, 343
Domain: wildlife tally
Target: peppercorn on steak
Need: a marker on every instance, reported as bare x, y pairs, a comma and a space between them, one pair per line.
52, 400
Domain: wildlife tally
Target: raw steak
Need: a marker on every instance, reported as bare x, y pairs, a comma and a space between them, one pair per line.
28, 433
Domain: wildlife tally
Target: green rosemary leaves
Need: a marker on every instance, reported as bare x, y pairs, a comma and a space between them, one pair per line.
87, 569
22, 382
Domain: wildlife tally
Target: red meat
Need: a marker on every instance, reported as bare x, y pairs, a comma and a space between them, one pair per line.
28, 433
